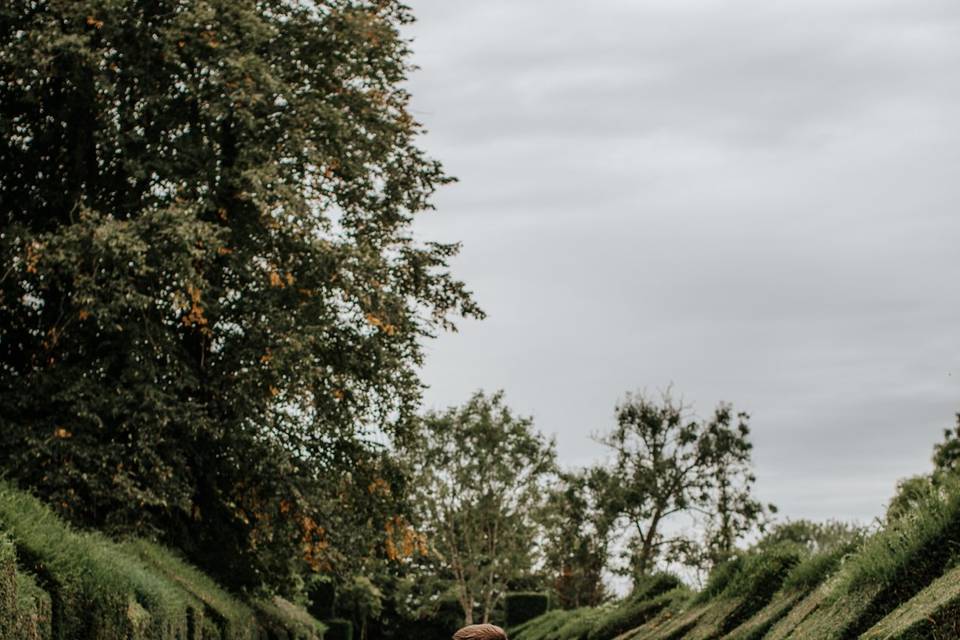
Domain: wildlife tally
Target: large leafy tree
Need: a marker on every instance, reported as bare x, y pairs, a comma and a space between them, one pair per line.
478, 474
668, 464
210, 295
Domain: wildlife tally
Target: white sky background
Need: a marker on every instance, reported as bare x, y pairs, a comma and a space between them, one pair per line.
754, 200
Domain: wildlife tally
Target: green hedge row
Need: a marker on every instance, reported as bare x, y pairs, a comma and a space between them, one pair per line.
106, 590
522, 606
25, 608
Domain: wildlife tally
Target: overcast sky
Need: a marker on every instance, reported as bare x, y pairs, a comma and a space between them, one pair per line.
753, 200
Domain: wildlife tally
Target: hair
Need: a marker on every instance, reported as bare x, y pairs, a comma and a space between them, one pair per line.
481, 632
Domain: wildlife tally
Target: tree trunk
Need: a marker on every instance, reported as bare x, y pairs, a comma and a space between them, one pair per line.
647, 550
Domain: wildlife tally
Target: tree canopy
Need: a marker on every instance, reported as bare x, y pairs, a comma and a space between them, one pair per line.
210, 295
477, 475
667, 463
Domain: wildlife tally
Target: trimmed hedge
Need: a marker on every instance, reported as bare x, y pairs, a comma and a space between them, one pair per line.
25, 608
211, 606
106, 590
520, 607
322, 593
889, 569
97, 590
283, 620
542, 627
634, 612
338, 629
932, 613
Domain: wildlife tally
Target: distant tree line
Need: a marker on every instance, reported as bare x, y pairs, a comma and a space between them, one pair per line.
499, 514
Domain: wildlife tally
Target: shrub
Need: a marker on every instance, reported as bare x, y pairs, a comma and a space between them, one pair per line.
338, 629
322, 594
762, 573
719, 579
523, 606
653, 585
816, 568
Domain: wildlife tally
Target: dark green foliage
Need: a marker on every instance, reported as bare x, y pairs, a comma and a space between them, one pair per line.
209, 604
761, 576
653, 585
338, 629
322, 593
578, 626
209, 275
520, 607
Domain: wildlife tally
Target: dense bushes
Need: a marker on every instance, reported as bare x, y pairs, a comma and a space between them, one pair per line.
522, 606
121, 591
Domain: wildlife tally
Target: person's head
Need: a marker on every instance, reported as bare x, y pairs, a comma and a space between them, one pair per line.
480, 632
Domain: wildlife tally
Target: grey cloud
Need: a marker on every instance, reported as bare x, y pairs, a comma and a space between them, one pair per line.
753, 200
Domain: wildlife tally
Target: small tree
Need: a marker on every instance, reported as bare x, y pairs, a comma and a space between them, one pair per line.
478, 474
667, 463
